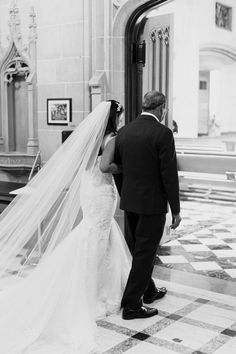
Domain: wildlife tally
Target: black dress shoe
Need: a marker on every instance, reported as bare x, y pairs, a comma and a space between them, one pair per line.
142, 312
160, 292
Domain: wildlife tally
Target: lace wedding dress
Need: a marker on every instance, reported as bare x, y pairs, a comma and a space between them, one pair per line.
54, 309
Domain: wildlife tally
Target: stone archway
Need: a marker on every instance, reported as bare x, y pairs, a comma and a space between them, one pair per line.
217, 68
214, 56
122, 35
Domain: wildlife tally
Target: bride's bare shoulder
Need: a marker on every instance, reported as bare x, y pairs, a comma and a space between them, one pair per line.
107, 138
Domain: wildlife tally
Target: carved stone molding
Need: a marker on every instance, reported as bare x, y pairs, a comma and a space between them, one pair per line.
118, 3
19, 160
16, 66
32, 26
20, 60
153, 36
161, 33
14, 22
166, 35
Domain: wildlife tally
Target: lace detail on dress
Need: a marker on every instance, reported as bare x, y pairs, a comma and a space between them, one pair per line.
98, 198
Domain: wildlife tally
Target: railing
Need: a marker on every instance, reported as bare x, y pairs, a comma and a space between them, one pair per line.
36, 164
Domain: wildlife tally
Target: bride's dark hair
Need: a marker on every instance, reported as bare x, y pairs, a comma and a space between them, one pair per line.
116, 109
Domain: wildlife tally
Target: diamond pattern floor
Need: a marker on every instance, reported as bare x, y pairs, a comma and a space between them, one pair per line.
205, 243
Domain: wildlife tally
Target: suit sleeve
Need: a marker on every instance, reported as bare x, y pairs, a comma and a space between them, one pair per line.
169, 172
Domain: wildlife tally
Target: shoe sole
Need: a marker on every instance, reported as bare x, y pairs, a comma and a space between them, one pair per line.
133, 317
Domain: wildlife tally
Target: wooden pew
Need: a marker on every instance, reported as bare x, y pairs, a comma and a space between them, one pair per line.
182, 148
209, 175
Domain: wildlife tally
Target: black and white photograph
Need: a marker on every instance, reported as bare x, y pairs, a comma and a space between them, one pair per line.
118, 177
59, 111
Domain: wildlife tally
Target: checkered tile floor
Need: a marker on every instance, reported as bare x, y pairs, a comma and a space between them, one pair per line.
190, 321
205, 243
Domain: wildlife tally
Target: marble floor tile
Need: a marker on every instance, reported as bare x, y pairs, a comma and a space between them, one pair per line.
173, 259
200, 256
223, 235
214, 315
108, 339
217, 274
231, 272
205, 266
194, 241
195, 248
227, 348
188, 237
171, 301
172, 243
136, 325
205, 228
191, 292
218, 228
203, 232
187, 222
166, 250
212, 241
230, 240
227, 262
219, 247
224, 253
191, 321
148, 348
184, 267
185, 334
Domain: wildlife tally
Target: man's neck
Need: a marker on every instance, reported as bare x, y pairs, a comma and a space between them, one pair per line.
152, 113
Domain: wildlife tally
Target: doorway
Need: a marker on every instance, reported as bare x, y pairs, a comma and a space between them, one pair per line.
149, 50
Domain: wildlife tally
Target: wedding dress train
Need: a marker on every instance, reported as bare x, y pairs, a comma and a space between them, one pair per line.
54, 309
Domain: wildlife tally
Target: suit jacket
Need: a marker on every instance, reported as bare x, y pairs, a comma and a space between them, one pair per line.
146, 150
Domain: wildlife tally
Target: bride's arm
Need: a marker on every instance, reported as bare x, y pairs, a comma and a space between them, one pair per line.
106, 164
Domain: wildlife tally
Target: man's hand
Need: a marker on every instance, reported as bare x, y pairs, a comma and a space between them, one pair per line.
176, 219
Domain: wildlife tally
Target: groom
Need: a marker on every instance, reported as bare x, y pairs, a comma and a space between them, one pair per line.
145, 148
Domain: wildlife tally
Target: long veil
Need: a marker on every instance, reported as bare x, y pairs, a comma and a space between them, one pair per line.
49, 208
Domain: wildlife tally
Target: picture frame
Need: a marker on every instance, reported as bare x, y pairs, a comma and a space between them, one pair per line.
59, 111
223, 16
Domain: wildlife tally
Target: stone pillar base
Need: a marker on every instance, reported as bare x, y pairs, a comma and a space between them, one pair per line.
32, 146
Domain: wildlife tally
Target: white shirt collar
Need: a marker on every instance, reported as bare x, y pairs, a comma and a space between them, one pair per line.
150, 114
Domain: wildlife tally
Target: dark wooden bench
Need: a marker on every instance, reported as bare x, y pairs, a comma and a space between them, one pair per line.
5, 188
205, 174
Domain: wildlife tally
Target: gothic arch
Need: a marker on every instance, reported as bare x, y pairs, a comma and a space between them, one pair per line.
12, 65
216, 55
122, 36
19, 62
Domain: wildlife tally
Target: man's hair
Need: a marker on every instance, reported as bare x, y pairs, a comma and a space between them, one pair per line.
152, 100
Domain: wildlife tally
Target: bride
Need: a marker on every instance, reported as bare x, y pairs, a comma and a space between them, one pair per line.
63, 260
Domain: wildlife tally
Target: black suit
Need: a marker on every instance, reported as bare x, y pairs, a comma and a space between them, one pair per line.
146, 150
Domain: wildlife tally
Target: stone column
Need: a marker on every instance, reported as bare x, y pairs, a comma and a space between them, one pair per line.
32, 144
5, 116
102, 17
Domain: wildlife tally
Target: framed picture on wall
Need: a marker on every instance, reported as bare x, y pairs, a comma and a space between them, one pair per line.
59, 111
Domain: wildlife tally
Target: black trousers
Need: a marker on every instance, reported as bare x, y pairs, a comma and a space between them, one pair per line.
143, 237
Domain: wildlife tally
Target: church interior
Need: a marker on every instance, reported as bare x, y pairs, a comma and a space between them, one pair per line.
59, 59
